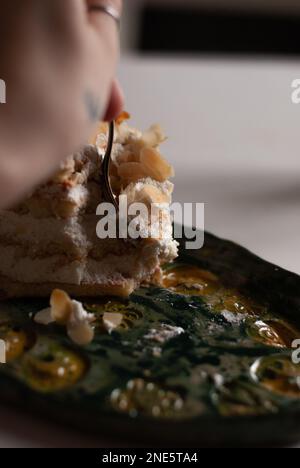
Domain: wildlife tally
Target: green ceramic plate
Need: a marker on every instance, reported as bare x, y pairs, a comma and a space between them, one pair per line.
205, 360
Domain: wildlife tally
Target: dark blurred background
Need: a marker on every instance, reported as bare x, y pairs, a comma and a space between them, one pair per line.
263, 27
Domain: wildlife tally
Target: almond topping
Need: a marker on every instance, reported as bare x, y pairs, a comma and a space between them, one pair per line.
81, 334
126, 157
44, 317
155, 165
150, 194
101, 129
122, 118
112, 320
71, 314
132, 172
61, 306
153, 137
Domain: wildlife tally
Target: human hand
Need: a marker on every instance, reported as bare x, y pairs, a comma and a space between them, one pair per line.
58, 60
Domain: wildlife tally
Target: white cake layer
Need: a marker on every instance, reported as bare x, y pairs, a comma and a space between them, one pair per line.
139, 265
39, 234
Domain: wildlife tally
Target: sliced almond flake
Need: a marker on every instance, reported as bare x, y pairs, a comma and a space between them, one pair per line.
155, 166
132, 172
81, 334
44, 317
122, 118
70, 314
112, 320
154, 136
61, 306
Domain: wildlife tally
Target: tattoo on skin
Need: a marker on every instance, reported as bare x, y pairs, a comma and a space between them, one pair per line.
93, 106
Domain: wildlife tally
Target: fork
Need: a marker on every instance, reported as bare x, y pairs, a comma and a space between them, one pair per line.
107, 189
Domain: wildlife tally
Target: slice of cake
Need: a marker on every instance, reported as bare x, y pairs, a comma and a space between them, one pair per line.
49, 240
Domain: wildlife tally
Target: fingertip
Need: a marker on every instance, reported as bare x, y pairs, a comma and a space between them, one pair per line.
116, 102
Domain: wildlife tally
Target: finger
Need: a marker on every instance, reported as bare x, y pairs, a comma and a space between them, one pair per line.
117, 4
99, 17
116, 102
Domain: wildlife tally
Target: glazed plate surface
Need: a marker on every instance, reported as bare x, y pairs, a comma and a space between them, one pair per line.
205, 360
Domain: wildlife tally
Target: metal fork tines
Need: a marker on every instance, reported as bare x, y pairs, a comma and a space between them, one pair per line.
107, 189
